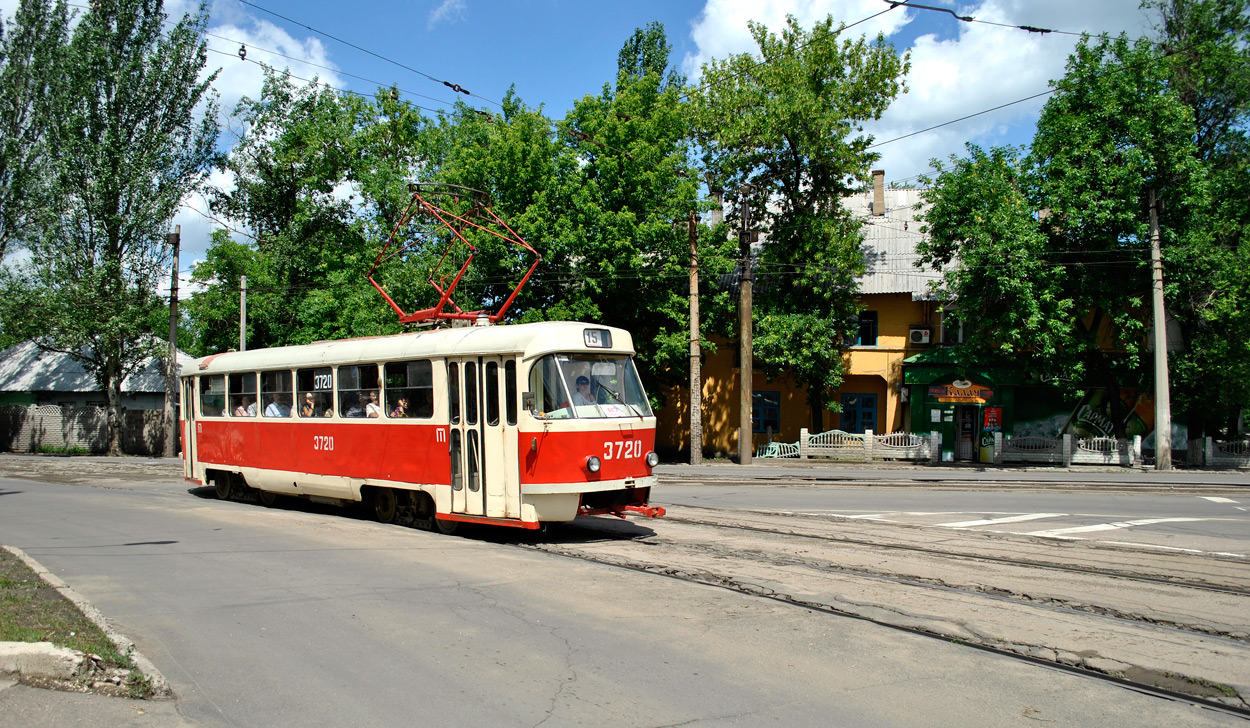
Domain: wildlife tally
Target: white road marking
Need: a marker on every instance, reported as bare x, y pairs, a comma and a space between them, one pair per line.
1217, 499
995, 521
1063, 532
1157, 547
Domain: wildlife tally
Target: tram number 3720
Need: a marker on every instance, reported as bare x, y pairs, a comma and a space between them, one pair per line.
622, 450
323, 442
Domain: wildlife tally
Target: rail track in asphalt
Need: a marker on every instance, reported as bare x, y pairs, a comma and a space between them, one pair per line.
1075, 607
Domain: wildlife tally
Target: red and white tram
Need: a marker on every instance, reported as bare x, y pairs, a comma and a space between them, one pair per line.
515, 425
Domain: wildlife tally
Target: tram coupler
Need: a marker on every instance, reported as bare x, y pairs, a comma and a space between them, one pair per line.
649, 511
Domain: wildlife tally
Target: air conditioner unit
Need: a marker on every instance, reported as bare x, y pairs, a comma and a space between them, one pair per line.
919, 335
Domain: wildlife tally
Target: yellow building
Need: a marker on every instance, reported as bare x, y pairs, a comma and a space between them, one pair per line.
899, 317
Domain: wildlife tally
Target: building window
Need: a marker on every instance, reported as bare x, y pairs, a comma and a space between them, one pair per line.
952, 327
766, 412
867, 328
859, 413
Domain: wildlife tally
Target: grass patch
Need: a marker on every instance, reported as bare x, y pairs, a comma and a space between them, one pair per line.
31, 610
57, 450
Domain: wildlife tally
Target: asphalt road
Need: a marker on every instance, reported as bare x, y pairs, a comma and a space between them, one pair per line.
264, 617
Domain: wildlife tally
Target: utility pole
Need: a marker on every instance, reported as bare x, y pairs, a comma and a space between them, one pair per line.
745, 441
696, 377
171, 373
1163, 399
242, 313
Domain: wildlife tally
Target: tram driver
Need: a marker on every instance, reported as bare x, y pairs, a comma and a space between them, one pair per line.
582, 394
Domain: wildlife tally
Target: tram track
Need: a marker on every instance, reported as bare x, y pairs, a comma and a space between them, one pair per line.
1165, 633
1236, 590
1139, 681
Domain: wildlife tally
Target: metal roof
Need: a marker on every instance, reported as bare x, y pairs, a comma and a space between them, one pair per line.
890, 243
529, 340
27, 368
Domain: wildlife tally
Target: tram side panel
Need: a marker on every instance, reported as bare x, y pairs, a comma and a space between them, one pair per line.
332, 458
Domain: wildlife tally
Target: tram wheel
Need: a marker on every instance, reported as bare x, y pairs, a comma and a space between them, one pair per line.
385, 505
221, 485
267, 498
445, 527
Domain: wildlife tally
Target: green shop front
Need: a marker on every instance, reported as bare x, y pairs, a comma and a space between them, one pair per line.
966, 404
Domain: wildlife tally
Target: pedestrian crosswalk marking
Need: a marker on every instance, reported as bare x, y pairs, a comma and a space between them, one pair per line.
1063, 532
1007, 519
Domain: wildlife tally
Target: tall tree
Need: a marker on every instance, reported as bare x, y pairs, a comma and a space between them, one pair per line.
1205, 46
128, 146
1065, 290
32, 49
785, 130
295, 195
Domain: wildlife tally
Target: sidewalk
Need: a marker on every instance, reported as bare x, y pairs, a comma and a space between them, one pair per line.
770, 470
27, 706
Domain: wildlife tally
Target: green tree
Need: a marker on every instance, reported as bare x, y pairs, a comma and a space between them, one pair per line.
32, 47
296, 195
983, 232
1206, 54
604, 197
1050, 255
785, 131
127, 147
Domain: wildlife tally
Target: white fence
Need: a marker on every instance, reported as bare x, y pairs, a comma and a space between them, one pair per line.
50, 428
841, 445
1032, 450
1067, 450
1235, 454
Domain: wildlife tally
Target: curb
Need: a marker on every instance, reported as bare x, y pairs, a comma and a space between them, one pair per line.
42, 659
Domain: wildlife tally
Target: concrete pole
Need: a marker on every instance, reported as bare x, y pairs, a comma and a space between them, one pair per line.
696, 377
746, 375
242, 313
1163, 400
171, 373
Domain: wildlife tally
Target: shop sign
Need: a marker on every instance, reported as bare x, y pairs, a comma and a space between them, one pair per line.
961, 391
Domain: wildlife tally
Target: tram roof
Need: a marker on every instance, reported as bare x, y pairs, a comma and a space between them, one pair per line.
529, 340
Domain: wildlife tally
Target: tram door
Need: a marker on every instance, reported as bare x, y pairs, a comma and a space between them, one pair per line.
188, 428
478, 441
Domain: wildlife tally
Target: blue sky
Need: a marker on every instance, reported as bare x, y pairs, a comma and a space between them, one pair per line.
556, 51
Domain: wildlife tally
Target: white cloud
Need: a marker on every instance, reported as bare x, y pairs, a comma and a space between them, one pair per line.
450, 11
264, 43
721, 29
983, 66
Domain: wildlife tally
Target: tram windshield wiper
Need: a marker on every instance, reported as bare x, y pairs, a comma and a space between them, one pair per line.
617, 397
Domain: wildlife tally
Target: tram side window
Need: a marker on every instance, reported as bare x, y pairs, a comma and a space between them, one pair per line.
547, 386
410, 389
275, 390
453, 393
358, 391
490, 378
509, 368
242, 401
213, 396
315, 392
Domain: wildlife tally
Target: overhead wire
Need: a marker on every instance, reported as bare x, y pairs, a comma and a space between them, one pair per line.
453, 86
323, 83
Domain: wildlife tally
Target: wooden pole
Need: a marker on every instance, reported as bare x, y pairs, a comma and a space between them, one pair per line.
1163, 400
746, 375
171, 373
242, 313
696, 377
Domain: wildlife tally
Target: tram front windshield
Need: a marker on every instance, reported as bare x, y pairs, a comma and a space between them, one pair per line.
587, 386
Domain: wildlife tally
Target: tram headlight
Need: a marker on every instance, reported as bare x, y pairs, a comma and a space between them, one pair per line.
652, 459
593, 464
